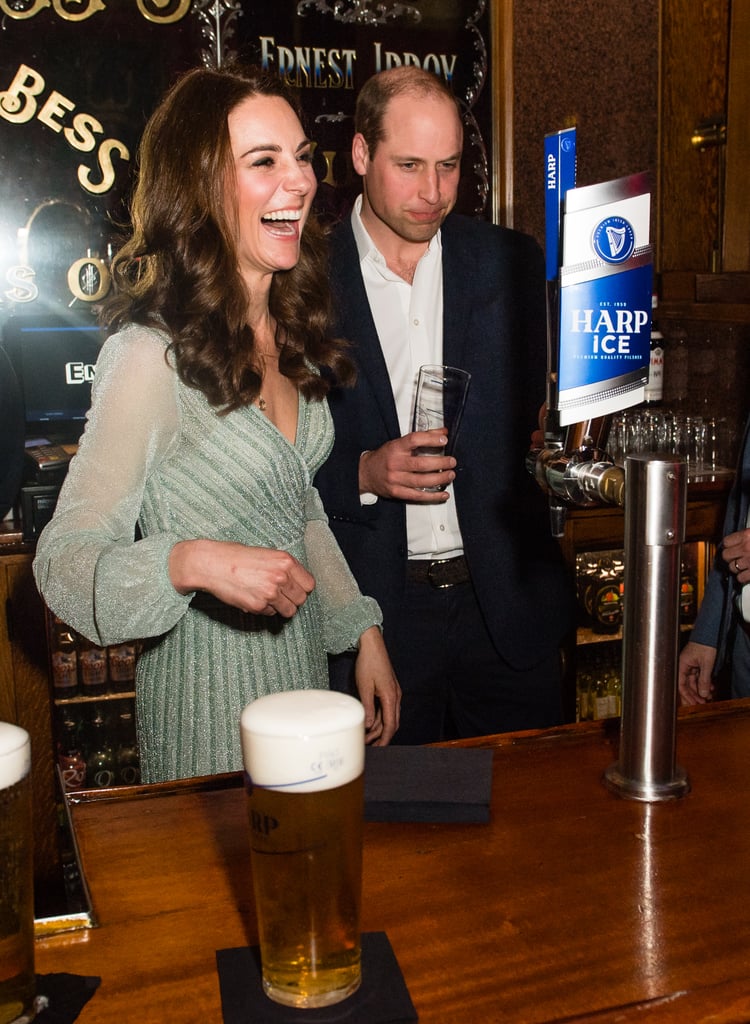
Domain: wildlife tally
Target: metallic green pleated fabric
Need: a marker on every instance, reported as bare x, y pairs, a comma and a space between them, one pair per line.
155, 452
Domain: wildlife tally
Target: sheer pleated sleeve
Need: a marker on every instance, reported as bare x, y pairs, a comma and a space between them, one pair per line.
89, 567
346, 612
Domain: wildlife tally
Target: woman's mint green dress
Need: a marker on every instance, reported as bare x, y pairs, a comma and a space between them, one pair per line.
156, 453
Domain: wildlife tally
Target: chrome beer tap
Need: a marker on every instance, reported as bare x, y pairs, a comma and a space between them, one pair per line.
578, 472
575, 469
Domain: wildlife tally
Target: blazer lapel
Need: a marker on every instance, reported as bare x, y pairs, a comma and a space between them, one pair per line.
354, 320
458, 280
743, 480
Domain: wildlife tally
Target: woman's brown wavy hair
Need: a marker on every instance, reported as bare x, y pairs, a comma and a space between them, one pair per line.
179, 268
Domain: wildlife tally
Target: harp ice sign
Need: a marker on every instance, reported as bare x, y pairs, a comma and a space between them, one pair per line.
606, 279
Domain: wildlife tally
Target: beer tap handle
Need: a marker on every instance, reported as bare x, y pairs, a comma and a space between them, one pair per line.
557, 516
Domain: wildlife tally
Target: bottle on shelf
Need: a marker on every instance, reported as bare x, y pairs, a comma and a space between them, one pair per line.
599, 581
128, 771
586, 685
121, 658
101, 767
70, 754
64, 659
586, 571
94, 724
601, 703
583, 682
688, 595
603, 599
93, 667
616, 689
599, 683
653, 394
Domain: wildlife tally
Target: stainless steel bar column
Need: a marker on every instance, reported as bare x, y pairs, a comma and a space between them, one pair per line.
655, 513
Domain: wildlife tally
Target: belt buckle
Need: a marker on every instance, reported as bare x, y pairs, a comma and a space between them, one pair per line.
431, 566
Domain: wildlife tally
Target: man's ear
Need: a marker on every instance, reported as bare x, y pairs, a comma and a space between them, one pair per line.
360, 154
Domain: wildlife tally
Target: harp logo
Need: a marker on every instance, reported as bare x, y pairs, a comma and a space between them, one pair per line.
614, 240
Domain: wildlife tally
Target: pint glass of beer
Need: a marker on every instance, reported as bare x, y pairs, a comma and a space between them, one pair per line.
304, 753
17, 982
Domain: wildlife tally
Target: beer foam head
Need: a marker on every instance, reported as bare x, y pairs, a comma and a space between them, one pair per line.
15, 754
301, 741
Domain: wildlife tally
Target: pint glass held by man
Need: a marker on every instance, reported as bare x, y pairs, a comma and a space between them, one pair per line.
17, 980
304, 753
439, 401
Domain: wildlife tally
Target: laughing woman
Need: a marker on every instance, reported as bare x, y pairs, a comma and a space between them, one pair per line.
188, 518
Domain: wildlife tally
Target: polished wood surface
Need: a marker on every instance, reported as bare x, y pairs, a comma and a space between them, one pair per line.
25, 701
571, 905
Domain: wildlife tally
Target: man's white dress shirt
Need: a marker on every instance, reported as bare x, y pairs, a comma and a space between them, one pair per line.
409, 322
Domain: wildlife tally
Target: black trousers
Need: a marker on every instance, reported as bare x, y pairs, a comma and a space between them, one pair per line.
454, 683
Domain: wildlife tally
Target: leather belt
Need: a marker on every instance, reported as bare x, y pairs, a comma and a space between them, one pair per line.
438, 572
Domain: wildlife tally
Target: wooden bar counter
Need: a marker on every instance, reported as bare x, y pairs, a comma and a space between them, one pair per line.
572, 904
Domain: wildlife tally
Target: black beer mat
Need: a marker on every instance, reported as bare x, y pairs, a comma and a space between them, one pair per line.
61, 997
382, 998
434, 784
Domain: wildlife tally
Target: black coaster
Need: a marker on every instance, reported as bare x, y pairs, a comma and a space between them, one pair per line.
382, 998
435, 784
61, 997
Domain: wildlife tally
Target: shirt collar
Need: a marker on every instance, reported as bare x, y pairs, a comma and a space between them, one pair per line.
366, 248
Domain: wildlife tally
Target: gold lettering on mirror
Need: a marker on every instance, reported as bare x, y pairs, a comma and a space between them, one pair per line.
21, 15
161, 12
23, 101
62, 9
89, 279
181, 9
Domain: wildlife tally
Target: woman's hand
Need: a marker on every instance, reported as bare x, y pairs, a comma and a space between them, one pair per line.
263, 581
376, 682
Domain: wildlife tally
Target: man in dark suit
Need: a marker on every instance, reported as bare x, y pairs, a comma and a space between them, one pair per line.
476, 599
719, 639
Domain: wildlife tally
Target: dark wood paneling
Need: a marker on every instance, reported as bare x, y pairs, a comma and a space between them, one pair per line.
736, 251
27, 652
589, 64
694, 42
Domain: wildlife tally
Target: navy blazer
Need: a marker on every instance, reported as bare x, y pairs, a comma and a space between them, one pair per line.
494, 327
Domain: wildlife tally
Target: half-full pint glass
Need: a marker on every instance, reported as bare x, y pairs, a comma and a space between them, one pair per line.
304, 755
17, 981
